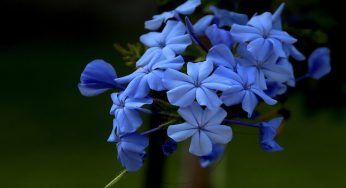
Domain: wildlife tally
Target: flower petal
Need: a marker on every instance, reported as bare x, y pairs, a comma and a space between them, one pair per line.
218, 134
180, 132
200, 144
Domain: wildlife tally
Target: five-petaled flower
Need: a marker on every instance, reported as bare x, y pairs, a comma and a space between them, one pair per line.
268, 132
172, 41
203, 126
126, 111
131, 148
198, 84
262, 37
244, 88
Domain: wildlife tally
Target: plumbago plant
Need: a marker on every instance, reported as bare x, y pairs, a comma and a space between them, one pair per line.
209, 70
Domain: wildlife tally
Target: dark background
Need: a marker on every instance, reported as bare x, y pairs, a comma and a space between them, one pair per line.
51, 136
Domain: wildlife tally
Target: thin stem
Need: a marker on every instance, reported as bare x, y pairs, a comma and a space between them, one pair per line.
116, 179
241, 123
158, 127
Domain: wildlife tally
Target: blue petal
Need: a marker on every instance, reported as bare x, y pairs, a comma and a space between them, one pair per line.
319, 63
277, 17
152, 39
277, 46
268, 131
173, 79
179, 44
138, 87
264, 96
182, 96
181, 131
262, 22
214, 116
199, 71
188, 7
228, 18
130, 161
173, 29
200, 144
219, 36
295, 53
193, 114
260, 48
282, 36
206, 97
233, 97
249, 102
133, 103
157, 20
244, 33
155, 80
97, 77
128, 120
171, 63
201, 25
221, 55
147, 56
218, 134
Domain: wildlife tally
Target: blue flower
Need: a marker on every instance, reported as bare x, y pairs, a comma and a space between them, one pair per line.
131, 149
262, 37
97, 77
319, 63
150, 75
219, 36
172, 40
169, 147
243, 89
221, 55
198, 84
268, 131
207, 160
203, 126
270, 67
228, 18
125, 110
186, 8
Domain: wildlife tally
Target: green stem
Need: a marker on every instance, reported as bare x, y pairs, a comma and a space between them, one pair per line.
116, 179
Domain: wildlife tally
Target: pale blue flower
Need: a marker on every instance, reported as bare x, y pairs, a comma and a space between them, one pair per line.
131, 149
97, 77
261, 36
150, 75
126, 111
203, 126
244, 89
270, 67
198, 84
268, 132
319, 63
173, 40
185, 9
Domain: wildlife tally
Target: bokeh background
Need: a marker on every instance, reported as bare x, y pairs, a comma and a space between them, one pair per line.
51, 136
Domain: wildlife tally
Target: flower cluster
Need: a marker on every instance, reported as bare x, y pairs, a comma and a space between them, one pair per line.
241, 61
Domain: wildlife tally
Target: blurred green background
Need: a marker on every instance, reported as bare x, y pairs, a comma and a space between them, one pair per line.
53, 137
